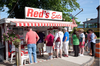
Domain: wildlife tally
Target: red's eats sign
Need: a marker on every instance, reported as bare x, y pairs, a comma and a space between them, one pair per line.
43, 14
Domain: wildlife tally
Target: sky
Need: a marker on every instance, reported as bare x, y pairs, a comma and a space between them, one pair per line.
89, 10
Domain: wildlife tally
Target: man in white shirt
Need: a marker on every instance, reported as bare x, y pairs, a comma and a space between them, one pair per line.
58, 45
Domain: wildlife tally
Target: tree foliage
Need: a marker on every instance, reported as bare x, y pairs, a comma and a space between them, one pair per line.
64, 6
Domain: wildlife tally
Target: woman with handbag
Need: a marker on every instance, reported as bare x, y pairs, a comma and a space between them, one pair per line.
49, 44
58, 42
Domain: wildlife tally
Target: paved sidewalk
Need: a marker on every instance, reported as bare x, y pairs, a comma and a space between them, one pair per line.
55, 62
64, 61
70, 61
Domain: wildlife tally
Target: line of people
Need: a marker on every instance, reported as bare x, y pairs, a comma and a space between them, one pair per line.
60, 42
82, 40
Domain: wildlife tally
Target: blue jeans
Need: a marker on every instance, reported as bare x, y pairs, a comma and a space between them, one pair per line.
32, 49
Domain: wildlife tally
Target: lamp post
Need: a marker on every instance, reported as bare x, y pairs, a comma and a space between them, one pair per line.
79, 12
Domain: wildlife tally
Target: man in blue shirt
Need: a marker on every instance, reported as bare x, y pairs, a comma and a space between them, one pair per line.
93, 40
66, 42
40, 42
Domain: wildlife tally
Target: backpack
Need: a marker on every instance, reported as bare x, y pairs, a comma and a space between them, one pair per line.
58, 39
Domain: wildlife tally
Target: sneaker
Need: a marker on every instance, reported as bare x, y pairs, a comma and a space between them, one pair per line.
42, 55
56, 57
82, 55
65, 55
35, 62
48, 58
30, 63
79, 54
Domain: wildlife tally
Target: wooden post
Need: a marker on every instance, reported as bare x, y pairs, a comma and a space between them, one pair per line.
17, 59
19, 53
6, 43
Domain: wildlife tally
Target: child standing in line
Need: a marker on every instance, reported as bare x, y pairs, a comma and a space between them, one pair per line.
82, 42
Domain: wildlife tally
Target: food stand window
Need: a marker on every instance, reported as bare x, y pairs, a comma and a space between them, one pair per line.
15, 29
20, 31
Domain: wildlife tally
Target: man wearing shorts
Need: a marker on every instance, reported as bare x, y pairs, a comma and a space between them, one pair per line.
58, 45
40, 42
49, 43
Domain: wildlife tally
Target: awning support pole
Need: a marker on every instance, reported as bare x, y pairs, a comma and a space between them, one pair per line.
6, 43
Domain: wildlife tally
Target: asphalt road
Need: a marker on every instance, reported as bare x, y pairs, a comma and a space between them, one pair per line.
96, 62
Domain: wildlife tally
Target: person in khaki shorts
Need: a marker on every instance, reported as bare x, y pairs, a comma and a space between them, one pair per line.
40, 43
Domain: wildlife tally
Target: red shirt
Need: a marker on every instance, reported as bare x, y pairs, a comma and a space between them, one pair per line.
50, 39
31, 37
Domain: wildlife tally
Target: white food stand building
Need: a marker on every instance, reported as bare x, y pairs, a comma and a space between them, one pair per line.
38, 19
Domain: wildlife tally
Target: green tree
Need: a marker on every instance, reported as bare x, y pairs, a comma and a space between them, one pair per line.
77, 21
64, 6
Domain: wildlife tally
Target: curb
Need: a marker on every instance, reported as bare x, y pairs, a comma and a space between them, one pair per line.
88, 63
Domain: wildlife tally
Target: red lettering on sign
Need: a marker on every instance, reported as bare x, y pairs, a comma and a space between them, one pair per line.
55, 16
47, 15
30, 12
41, 14
36, 14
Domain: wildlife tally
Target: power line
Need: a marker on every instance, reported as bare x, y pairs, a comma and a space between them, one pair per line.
13, 8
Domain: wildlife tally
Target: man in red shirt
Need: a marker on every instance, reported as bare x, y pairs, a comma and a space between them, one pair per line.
49, 43
31, 40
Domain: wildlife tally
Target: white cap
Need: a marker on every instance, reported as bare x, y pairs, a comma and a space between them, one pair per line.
65, 28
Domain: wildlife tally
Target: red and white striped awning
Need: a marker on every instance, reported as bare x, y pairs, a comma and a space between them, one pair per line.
30, 23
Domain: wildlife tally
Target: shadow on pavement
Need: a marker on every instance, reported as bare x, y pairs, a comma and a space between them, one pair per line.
5, 64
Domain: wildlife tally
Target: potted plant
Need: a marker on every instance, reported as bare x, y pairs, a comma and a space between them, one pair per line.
16, 42
11, 37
